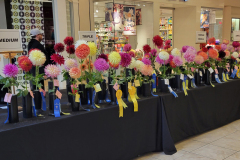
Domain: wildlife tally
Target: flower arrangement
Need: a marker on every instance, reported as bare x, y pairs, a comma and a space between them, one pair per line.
176, 63
163, 56
52, 71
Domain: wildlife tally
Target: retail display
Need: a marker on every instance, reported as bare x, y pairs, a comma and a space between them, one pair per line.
166, 28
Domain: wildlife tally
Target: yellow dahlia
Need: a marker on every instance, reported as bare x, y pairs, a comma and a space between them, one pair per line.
138, 65
37, 57
93, 48
133, 63
114, 58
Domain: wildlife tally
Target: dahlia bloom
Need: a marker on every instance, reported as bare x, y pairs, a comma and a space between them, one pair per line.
20, 58
104, 56
172, 64
25, 63
157, 40
225, 41
160, 61
114, 58
146, 70
184, 49
176, 52
75, 72
10, 70
68, 41
79, 42
82, 51
211, 40
199, 59
70, 63
127, 47
59, 47
177, 61
83, 67
57, 58
227, 54
37, 57
235, 44
93, 48
146, 61
133, 63
204, 55
70, 49
218, 47
138, 65
154, 52
235, 54
146, 48
213, 53
101, 65
163, 55
223, 47
52, 71
167, 42
222, 54
131, 53
125, 59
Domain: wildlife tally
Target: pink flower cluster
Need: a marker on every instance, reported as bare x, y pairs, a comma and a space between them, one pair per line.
101, 65
146, 61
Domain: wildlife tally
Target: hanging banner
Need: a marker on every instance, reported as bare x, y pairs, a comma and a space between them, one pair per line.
129, 20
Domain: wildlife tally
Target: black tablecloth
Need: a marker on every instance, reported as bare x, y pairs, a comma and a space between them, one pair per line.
205, 108
96, 135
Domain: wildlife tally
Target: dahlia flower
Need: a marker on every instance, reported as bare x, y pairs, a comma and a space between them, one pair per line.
223, 47
177, 61
59, 47
235, 44
176, 52
114, 58
204, 55
172, 64
52, 71
218, 47
25, 63
235, 54
227, 54
101, 65
154, 52
83, 67
57, 58
225, 41
125, 59
184, 49
70, 63
127, 47
75, 72
20, 58
157, 40
82, 51
68, 41
133, 63
199, 59
93, 48
163, 55
79, 42
167, 42
104, 56
146, 70
211, 40
70, 49
222, 54
213, 53
131, 53
10, 70
146, 48
37, 57
160, 61
138, 65
146, 61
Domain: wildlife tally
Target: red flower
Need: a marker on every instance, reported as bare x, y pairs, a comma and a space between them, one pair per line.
70, 49
103, 56
59, 47
25, 63
57, 58
157, 40
68, 41
132, 54
172, 64
166, 47
218, 47
146, 48
20, 58
167, 42
204, 49
211, 40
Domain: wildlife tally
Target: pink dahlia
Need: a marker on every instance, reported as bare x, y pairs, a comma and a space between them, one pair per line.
146, 70
127, 47
70, 63
189, 56
160, 61
177, 61
184, 49
101, 65
75, 72
146, 61
10, 70
199, 59
235, 44
132, 54
154, 52
125, 59
223, 47
52, 71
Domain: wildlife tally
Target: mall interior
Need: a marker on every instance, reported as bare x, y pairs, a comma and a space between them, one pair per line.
157, 133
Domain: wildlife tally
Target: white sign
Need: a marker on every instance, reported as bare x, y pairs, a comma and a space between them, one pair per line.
236, 35
89, 36
10, 40
201, 37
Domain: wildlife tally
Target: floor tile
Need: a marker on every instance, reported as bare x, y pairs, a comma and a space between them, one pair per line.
163, 156
235, 124
235, 135
146, 157
235, 156
189, 145
192, 156
214, 152
228, 143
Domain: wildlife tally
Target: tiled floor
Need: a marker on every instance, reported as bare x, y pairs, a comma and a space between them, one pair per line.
218, 144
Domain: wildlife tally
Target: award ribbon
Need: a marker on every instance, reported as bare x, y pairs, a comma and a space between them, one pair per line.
120, 102
132, 92
193, 83
8, 115
44, 106
217, 78
171, 91
57, 107
238, 73
234, 73
93, 98
227, 76
224, 77
154, 84
34, 109
184, 88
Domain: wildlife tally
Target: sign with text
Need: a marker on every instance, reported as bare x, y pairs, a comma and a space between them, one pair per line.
236, 35
201, 37
89, 36
10, 40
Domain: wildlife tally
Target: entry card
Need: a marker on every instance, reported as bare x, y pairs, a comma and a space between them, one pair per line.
116, 86
77, 98
58, 94
182, 77
166, 81
200, 73
210, 70
56, 82
8, 97
97, 87
136, 82
129, 85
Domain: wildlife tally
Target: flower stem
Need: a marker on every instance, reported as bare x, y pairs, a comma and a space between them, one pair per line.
37, 71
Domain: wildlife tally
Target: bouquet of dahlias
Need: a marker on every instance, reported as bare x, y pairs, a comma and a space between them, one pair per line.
164, 58
189, 54
176, 61
52, 71
10, 71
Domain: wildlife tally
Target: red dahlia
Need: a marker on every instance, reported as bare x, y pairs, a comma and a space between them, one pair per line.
59, 47
58, 59
68, 41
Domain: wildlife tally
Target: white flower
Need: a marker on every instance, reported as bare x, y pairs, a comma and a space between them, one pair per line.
37, 57
163, 55
138, 65
176, 52
133, 63
235, 54
79, 42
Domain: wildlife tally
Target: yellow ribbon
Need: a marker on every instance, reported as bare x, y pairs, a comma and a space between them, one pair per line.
187, 85
132, 92
77, 97
227, 77
212, 84
238, 73
224, 77
184, 88
121, 104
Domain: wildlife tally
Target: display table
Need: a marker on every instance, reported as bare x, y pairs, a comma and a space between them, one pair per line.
98, 134
205, 108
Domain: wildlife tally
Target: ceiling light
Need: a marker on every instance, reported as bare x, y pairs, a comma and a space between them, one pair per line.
97, 10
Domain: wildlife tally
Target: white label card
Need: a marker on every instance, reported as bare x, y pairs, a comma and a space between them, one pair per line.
182, 77
200, 73
211, 70
191, 77
216, 76
166, 81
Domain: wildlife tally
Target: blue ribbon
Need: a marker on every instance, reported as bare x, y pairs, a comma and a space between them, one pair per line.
217, 78
185, 78
154, 84
8, 115
106, 98
81, 105
88, 97
171, 91
57, 107
153, 94
44, 106
194, 84
93, 97
34, 109
234, 73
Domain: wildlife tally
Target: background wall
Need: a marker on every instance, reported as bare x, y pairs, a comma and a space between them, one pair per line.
3, 24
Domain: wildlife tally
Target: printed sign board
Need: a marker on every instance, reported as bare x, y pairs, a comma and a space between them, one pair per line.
89, 36
201, 37
10, 40
236, 35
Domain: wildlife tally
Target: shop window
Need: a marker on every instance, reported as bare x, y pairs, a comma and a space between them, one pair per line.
235, 26
166, 24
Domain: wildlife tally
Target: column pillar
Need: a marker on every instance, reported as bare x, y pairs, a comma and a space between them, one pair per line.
86, 15
227, 21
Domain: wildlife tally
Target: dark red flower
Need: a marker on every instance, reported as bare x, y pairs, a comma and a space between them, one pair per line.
59, 47
235, 44
204, 49
157, 40
166, 47
222, 54
68, 41
167, 42
211, 40
57, 58
70, 49
207, 64
131, 53
146, 48
103, 56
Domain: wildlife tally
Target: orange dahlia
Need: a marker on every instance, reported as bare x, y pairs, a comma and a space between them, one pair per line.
82, 51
